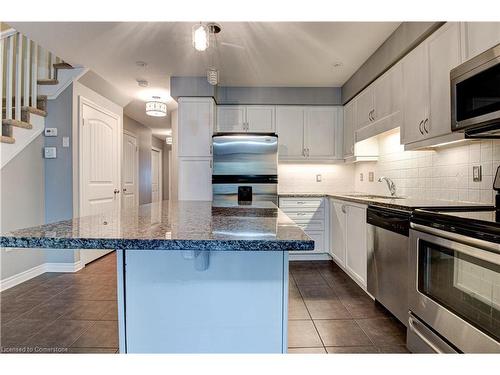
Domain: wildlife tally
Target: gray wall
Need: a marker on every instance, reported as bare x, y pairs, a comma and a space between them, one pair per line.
279, 95
22, 200
406, 37
191, 86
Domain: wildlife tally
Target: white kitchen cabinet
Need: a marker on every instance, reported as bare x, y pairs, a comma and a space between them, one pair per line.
231, 118
337, 231
309, 133
290, 129
349, 128
311, 214
364, 107
249, 118
348, 238
321, 132
195, 179
195, 129
415, 94
355, 242
444, 54
387, 93
480, 36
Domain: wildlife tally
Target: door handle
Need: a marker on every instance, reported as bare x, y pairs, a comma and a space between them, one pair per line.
124, 190
373, 114
116, 191
420, 127
412, 327
425, 123
343, 209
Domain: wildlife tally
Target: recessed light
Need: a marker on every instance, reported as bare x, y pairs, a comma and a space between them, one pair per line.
141, 64
142, 83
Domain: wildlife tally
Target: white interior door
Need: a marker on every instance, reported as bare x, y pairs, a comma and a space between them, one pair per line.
156, 175
100, 136
130, 171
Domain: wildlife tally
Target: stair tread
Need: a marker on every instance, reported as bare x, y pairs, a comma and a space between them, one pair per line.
17, 123
35, 111
48, 81
5, 139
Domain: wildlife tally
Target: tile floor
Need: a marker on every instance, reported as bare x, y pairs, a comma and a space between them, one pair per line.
330, 313
76, 313
62, 312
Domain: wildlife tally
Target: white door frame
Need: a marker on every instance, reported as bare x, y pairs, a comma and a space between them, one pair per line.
82, 100
160, 166
131, 134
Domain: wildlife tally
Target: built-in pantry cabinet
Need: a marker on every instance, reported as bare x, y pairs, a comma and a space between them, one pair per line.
348, 238
246, 118
309, 133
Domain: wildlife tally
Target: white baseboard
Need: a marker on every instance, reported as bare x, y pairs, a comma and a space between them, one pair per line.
305, 256
21, 277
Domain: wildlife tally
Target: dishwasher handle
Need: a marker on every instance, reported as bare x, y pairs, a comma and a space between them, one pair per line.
396, 221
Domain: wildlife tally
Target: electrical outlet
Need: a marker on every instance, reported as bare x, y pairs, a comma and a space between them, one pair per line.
371, 176
65, 142
361, 178
476, 173
318, 178
50, 152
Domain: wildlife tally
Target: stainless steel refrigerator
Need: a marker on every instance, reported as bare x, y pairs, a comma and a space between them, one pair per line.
245, 160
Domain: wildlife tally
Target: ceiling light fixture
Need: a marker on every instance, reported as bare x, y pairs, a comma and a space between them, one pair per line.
200, 37
156, 108
142, 83
213, 76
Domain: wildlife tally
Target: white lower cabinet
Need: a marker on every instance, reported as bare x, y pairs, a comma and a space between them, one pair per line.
348, 239
311, 214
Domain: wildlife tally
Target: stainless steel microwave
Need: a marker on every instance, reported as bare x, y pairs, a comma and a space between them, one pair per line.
475, 95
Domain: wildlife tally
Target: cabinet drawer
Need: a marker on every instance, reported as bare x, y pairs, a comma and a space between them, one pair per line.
314, 225
305, 215
301, 202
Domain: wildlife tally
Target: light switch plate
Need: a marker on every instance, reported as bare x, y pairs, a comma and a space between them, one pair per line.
50, 132
50, 152
361, 177
65, 141
370, 176
476, 173
318, 178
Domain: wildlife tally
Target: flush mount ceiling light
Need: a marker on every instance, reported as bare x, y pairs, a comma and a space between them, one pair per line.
156, 108
213, 76
200, 37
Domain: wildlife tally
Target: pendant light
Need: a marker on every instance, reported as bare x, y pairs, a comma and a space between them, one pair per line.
213, 76
200, 37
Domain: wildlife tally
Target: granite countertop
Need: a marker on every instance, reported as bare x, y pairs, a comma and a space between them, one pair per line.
171, 225
403, 203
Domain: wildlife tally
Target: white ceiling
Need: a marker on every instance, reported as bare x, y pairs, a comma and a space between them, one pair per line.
272, 53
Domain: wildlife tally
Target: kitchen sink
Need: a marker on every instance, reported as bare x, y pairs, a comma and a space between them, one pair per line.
373, 196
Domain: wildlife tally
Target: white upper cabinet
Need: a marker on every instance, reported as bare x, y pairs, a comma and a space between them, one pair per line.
231, 118
290, 129
195, 129
364, 108
250, 118
444, 54
479, 36
322, 125
349, 128
387, 93
415, 94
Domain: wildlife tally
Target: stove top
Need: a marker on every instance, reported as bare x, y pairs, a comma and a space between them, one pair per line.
478, 223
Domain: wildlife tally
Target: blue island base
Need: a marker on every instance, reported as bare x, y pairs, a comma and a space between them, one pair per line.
202, 301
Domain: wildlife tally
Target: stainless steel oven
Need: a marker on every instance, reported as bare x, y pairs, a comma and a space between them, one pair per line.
475, 95
454, 293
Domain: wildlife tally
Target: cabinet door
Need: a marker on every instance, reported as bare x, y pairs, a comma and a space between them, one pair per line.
364, 105
337, 232
415, 93
319, 240
321, 132
260, 118
356, 249
290, 129
479, 36
195, 179
444, 54
349, 125
231, 118
387, 93
195, 129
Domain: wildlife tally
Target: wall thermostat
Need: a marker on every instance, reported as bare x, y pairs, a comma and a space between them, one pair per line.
51, 132
50, 152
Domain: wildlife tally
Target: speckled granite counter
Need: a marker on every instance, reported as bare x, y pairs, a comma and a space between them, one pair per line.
407, 204
171, 226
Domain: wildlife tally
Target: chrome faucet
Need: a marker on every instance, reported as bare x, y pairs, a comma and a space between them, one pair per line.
390, 184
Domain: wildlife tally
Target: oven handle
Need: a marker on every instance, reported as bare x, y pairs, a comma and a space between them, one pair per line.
422, 336
485, 250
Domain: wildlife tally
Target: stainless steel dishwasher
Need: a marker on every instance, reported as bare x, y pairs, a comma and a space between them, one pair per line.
387, 280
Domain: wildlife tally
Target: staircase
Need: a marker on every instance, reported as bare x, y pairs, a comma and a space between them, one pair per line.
27, 68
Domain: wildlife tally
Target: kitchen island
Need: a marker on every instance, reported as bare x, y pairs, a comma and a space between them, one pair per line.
193, 277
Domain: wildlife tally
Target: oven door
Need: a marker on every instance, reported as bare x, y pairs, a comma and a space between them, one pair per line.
455, 289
